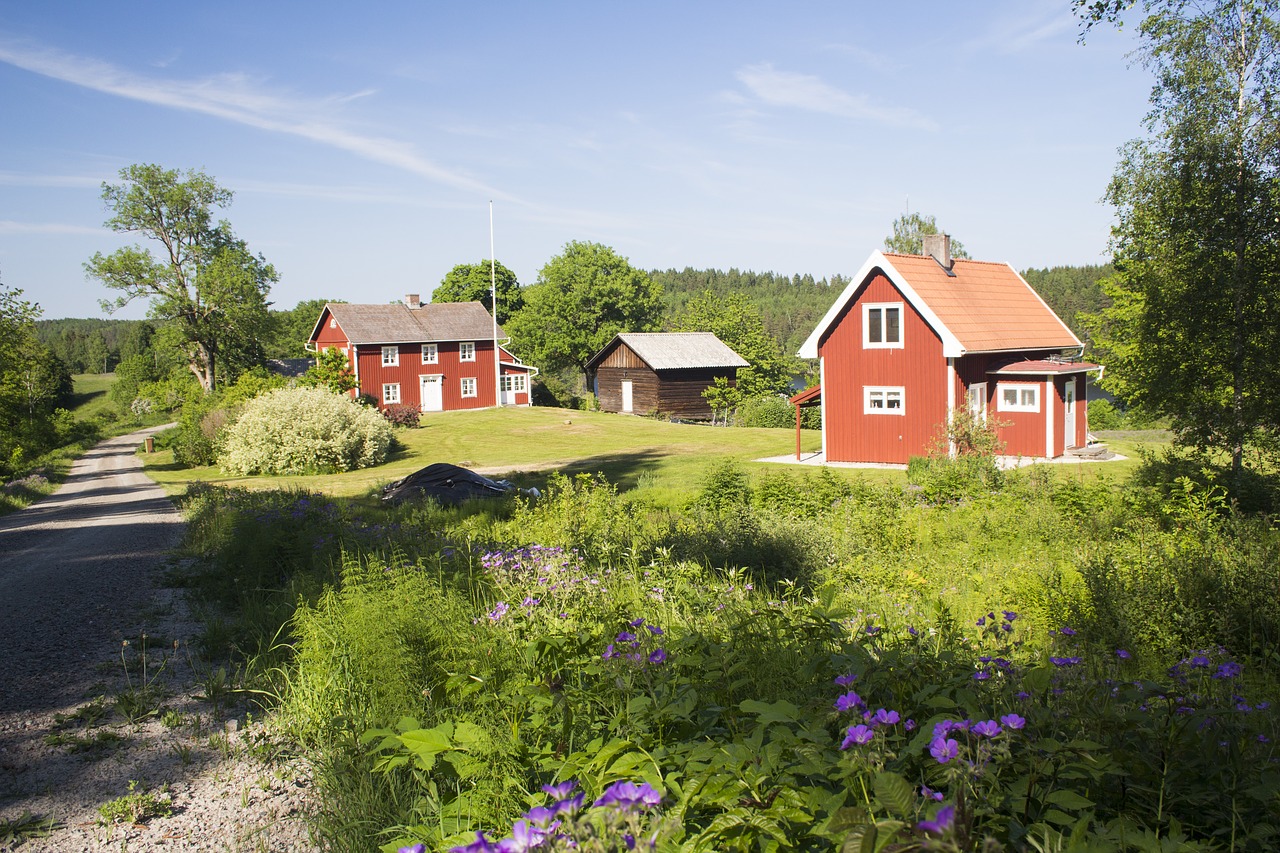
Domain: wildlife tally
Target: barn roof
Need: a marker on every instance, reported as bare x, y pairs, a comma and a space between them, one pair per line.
397, 323
675, 350
979, 307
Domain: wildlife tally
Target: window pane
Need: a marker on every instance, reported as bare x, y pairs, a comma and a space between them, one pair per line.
1010, 396
874, 332
892, 326
1028, 396
893, 399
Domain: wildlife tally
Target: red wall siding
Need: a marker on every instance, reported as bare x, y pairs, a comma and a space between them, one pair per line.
1021, 432
373, 374
850, 435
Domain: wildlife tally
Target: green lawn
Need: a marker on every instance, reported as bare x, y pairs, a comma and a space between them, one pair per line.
89, 397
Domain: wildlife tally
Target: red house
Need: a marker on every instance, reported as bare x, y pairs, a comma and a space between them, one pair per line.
913, 337
439, 356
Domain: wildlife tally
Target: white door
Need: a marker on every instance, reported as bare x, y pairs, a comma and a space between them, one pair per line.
978, 402
626, 395
433, 393
1069, 416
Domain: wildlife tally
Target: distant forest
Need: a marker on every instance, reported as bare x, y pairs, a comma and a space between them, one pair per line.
789, 305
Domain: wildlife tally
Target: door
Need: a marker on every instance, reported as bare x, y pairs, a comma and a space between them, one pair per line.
1069, 414
978, 402
626, 395
433, 393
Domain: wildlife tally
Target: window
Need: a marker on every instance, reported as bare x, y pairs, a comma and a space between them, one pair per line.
468, 386
1018, 398
514, 383
467, 351
333, 323
882, 325
430, 355
390, 393
390, 356
883, 401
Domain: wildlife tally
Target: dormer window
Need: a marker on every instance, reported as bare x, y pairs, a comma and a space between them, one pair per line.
882, 325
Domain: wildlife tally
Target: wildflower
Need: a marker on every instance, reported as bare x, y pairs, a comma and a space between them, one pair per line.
1068, 631
982, 621
981, 675
1009, 615
571, 806
885, 718
530, 601
909, 725
540, 816
944, 749
417, 848
860, 735
1122, 654
849, 701
657, 656
1067, 661
499, 610
609, 653
941, 821
872, 630
560, 791
524, 837
1230, 669
987, 728
480, 845
626, 795
655, 630
912, 631
930, 794
637, 622
1022, 695
846, 680
626, 637
1263, 739
1013, 721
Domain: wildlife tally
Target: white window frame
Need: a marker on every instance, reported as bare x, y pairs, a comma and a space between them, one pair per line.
514, 383
390, 393
879, 400
467, 351
1027, 397
882, 308
430, 354
469, 388
391, 356
333, 322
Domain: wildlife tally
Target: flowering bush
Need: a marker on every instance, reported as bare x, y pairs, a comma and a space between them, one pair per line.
304, 430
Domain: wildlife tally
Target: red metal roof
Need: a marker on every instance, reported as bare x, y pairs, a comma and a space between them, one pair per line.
1042, 367
807, 397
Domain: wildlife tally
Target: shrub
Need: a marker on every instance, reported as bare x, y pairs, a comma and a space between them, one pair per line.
769, 412
304, 430
402, 414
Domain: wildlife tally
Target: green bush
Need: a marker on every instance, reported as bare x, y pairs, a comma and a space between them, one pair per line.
768, 412
304, 430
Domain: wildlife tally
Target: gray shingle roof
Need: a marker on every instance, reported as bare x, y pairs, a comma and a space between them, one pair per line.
681, 350
397, 323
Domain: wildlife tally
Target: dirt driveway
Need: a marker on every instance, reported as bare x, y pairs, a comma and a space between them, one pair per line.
79, 573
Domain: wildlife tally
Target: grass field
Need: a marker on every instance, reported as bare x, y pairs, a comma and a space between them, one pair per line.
89, 398
526, 445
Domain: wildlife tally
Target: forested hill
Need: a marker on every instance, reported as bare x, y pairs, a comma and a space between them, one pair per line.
789, 305
792, 305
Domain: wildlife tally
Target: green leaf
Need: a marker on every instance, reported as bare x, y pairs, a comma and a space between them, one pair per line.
1068, 800
895, 793
777, 712
426, 744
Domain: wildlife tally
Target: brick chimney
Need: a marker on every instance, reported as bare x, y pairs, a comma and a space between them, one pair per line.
938, 247
412, 300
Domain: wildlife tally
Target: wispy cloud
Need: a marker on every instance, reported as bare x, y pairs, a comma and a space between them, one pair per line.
1028, 31
15, 179
8, 226
240, 99
809, 93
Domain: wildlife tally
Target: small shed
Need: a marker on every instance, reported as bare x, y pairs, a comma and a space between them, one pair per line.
648, 372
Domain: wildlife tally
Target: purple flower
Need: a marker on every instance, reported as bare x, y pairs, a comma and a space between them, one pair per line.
982, 621
912, 631
1122, 654
1230, 669
637, 622
872, 630
541, 816
626, 637
572, 805
480, 845
1013, 721
987, 728
1068, 631
859, 735
609, 653
1068, 661
499, 610
848, 702
930, 794
941, 821
524, 837
417, 848
655, 630
1009, 615
1199, 661
885, 718
981, 675
1006, 627
846, 680
944, 749
657, 656
530, 601
627, 795
909, 725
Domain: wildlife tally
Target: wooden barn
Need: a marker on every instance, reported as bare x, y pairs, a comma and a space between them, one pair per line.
914, 337
645, 373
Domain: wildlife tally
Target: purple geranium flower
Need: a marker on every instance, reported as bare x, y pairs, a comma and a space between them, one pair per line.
1068, 631
846, 680
1009, 615
480, 845
1122, 654
981, 675
987, 728
885, 718
657, 656
859, 735
849, 701
417, 848
609, 653
1067, 661
627, 795
561, 790
1230, 669
930, 794
626, 637
524, 837
944, 749
1013, 721
541, 816
499, 610
655, 630
637, 622
941, 821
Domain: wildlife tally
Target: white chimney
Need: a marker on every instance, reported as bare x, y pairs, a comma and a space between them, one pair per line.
412, 300
938, 247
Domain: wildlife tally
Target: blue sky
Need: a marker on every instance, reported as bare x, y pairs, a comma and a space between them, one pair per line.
364, 147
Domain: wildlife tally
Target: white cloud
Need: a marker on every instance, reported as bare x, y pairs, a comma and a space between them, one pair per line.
14, 179
8, 226
809, 93
238, 98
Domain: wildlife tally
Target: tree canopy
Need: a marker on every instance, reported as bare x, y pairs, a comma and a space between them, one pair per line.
1192, 331
472, 283
206, 284
908, 230
735, 320
582, 298
33, 382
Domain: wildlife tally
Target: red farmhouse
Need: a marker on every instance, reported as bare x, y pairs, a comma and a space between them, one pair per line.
438, 356
913, 337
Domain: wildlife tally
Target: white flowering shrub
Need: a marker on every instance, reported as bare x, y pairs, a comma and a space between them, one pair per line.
303, 431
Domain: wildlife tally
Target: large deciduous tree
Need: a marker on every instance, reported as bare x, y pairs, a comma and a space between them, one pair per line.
1193, 332
206, 283
583, 297
474, 283
909, 231
33, 381
735, 319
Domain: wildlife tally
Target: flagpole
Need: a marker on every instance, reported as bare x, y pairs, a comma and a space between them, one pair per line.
493, 291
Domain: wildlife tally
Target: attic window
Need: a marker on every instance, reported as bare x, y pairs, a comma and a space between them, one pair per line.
1018, 398
333, 323
882, 325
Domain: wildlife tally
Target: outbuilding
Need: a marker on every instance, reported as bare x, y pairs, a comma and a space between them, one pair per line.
648, 373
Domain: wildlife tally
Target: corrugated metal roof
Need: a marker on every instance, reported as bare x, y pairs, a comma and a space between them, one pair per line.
397, 323
677, 350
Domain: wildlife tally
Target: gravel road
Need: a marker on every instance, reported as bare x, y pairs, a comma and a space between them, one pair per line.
79, 574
